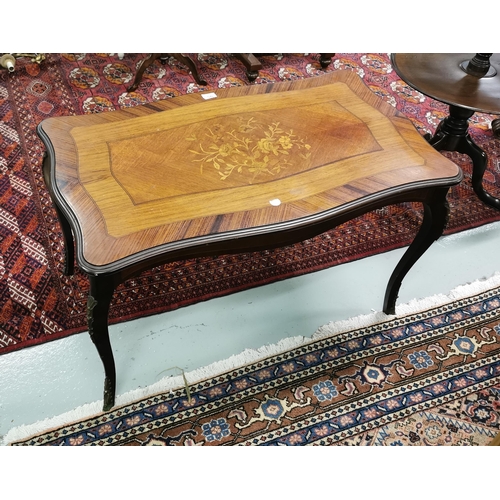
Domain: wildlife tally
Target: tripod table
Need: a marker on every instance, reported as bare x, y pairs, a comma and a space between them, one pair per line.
445, 77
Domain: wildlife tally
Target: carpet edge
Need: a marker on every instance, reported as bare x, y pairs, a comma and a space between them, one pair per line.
250, 356
411, 307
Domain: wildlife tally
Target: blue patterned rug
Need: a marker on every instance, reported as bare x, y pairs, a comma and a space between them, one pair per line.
430, 376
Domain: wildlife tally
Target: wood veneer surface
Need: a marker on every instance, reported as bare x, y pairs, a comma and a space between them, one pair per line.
255, 156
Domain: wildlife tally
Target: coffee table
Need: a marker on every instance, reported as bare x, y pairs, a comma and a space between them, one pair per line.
443, 77
236, 170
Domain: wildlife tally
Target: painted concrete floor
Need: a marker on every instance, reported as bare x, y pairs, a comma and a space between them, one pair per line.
47, 380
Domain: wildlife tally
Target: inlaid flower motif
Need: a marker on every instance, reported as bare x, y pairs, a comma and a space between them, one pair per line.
268, 146
285, 142
481, 373
249, 147
215, 430
225, 149
325, 390
420, 359
332, 353
189, 402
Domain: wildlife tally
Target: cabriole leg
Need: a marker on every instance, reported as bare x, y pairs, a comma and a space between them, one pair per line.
436, 211
100, 295
69, 244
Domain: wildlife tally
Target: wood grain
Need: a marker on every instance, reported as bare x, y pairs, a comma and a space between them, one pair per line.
132, 180
439, 76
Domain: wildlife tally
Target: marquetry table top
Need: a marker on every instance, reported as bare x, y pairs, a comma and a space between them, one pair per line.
257, 158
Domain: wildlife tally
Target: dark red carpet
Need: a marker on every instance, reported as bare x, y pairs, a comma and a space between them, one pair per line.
38, 303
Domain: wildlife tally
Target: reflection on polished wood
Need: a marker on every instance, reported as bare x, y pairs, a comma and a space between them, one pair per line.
255, 167
444, 77
440, 77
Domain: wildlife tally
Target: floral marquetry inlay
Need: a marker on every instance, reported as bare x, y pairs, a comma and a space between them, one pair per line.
253, 147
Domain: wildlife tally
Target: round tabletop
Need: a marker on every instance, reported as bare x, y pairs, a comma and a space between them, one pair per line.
440, 77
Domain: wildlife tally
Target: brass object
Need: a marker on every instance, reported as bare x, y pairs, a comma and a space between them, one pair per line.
8, 61
36, 58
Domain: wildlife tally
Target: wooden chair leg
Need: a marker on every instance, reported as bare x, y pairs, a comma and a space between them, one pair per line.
495, 126
325, 60
142, 68
252, 64
186, 60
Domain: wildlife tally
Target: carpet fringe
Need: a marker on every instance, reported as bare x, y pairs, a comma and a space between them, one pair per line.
413, 306
249, 356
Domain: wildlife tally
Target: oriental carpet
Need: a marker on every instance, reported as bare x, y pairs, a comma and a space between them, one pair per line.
428, 377
38, 303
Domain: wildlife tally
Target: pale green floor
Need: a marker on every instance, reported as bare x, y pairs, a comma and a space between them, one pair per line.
50, 379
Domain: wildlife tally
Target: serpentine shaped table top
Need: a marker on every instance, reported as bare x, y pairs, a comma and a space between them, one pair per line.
249, 168
252, 158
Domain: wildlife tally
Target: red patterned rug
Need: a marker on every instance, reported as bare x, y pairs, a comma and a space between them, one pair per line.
38, 303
